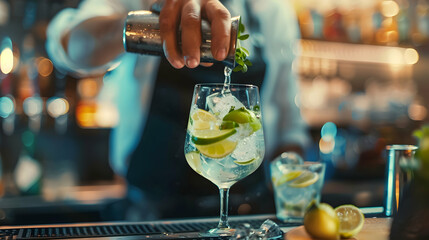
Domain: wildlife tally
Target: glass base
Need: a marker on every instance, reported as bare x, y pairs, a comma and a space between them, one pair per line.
219, 232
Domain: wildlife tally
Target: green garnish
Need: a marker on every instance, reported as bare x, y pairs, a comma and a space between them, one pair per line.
241, 53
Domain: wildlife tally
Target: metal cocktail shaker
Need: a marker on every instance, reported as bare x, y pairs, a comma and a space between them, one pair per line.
400, 169
142, 35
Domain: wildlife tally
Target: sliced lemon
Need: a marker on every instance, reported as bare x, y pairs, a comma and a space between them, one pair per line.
321, 222
286, 177
304, 180
202, 119
245, 162
217, 150
242, 115
351, 220
193, 159
210, 136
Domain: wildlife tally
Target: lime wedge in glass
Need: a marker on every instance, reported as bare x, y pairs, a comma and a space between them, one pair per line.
242, 115
210, 136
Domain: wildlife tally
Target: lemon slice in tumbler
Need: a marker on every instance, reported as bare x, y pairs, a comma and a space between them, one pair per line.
210, 136
351, 220
217, 150
202, 119
193, 159
304, 180
289, 176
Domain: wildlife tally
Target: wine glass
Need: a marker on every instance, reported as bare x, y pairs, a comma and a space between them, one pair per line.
225, 140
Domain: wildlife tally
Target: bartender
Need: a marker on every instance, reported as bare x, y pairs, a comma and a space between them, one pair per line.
153, 94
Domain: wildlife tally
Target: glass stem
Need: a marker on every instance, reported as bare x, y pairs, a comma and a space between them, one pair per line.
224, 194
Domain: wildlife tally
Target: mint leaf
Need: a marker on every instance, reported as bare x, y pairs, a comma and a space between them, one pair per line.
241, 53
244, 37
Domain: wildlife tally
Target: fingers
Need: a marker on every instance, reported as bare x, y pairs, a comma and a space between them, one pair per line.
191, 33
169, 22
220, 19
206, 64
188, 14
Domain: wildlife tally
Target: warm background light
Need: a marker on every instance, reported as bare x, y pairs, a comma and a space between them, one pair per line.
389, 8
33, 106
6, 60
57, 107
45, 67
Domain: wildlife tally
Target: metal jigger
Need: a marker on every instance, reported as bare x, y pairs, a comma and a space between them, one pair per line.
142, 35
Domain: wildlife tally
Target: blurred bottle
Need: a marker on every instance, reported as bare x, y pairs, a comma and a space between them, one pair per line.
422, 20
333, 28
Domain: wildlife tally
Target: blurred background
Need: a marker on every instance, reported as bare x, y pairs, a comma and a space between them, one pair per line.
363, 80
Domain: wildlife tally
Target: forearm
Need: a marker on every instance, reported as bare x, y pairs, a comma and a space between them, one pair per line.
95, 41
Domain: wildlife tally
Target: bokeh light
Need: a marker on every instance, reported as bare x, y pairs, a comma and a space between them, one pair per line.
7, 107
27, 138
326, 147
57, 107
6, 60
411, 56
389, 8
4, 12
45, 67
107, 115
417, 112
87, 88
328, 131
33, 106
85, 114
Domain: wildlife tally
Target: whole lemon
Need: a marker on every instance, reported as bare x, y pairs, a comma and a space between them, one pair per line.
321, 221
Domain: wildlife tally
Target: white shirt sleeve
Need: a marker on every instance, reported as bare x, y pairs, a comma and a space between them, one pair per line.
282, 119
69, 18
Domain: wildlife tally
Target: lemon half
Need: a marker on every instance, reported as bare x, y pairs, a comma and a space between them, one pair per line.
321, 222
351, 220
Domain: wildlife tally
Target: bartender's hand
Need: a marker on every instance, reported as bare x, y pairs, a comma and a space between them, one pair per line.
187, 14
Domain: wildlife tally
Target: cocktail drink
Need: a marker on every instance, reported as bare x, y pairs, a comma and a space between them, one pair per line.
296, 187
224, 141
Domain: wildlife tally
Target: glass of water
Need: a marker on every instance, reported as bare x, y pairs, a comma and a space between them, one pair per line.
296, 187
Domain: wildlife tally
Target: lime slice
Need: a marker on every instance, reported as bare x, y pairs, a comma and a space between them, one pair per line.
321, 222
351, 220
242, 115
286, 177
245, 162
304, 180
209, 136
228, 125
202, 119
217, 150
193, 159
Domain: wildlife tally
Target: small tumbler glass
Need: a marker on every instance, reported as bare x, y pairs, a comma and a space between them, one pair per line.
296, 188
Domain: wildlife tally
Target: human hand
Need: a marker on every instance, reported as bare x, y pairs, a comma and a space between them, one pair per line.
187, 14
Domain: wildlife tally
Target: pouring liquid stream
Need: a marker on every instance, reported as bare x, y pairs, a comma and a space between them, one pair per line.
227, 72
